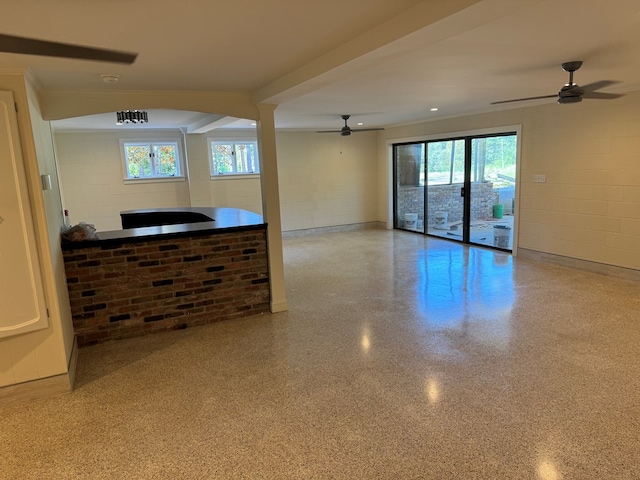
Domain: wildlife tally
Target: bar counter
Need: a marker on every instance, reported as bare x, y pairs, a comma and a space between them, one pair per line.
136, 281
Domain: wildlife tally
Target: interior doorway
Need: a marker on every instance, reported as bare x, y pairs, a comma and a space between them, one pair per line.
461, 188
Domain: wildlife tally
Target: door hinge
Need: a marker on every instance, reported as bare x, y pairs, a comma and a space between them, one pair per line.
48, 316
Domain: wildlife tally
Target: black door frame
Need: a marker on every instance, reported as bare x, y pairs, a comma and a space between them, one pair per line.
466, 193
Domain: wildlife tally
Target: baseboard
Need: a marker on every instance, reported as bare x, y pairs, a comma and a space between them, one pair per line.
73, 363
41, 388
34, 390
335, 228
281, 306
579, 264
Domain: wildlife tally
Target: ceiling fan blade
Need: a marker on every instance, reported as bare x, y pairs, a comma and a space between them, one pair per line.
31, 46
597, 85
572, 92
601, 95
350, 130
523, 99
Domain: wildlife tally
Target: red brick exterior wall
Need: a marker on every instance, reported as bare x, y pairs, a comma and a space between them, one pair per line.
446, 198
123, 290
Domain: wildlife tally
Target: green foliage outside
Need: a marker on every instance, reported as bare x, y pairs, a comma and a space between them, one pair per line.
165, 156
439, 157
500, 155
241, 160
245, 158
138, 161
222, 157
498, 160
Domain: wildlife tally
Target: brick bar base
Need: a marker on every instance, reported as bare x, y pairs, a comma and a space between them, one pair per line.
131, 289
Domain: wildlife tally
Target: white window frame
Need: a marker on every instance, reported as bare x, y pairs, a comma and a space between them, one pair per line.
154, 177
215, 175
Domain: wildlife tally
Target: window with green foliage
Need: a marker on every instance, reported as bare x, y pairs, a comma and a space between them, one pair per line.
144, 159
445, 162
445, 159
233, 157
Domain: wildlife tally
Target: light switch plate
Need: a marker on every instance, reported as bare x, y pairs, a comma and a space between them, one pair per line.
540, 178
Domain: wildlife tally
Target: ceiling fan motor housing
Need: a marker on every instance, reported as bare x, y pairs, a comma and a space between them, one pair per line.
346, 131
569, 99
570, 93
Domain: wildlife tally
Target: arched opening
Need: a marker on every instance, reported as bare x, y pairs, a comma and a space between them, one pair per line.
100, 175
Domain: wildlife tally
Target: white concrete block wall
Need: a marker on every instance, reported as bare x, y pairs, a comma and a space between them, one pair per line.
589, 206
237, 192
325, 180
92, 180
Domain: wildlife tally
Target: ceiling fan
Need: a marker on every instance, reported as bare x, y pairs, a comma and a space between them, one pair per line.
31, 46
347, 130
572, 92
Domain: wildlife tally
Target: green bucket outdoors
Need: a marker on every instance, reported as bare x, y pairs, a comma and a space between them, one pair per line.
498, 210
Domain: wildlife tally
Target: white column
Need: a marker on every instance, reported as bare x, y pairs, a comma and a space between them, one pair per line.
271, 205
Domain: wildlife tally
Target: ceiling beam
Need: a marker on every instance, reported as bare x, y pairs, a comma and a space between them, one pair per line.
422, 15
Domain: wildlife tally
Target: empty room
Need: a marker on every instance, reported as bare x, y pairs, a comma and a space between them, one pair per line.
334, 240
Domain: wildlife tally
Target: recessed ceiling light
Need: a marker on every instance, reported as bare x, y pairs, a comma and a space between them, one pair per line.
360, 123
434, 109
110, 78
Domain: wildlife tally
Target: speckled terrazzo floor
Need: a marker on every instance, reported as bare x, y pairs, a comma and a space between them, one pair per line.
401, 357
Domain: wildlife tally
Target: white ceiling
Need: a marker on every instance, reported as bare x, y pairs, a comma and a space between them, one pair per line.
385, 63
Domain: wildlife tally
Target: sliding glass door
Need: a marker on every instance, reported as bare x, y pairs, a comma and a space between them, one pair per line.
409, 176
445, 188
493, 182
458, 188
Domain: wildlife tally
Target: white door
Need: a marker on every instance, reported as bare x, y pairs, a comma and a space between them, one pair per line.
22, 303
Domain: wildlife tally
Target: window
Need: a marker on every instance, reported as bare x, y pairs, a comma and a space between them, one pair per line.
233, 157
151, 160
445, 161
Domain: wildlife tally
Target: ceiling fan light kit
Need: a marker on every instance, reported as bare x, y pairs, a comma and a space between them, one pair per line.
347, 130
572, 92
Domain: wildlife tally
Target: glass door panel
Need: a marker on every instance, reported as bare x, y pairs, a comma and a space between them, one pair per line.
459, 188
445, 183
493, 180
409, 186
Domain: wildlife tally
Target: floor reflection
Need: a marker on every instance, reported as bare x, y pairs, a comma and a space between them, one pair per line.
469, 290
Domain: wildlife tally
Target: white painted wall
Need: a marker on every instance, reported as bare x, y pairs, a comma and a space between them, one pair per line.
589, 207
325, 180
236, 192
93, 184
59, 308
